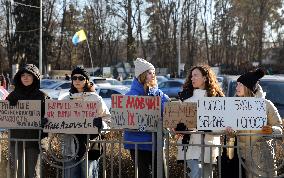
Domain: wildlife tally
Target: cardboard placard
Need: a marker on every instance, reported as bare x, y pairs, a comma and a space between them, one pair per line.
240, 113
135, 112
26, 114
179, 112
71, 116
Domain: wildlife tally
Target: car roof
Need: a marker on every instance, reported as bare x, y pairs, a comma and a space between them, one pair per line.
264, 78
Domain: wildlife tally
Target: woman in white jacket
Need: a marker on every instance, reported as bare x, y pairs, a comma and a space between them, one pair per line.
82, 89
201, 82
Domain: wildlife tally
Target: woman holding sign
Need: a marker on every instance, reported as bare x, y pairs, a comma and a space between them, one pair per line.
27, 84
82, 89
144, 84
258, 151
201, 82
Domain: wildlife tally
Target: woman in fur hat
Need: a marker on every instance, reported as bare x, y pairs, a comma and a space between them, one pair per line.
144, 84
27, 84
258, 151
82, 89
201, 82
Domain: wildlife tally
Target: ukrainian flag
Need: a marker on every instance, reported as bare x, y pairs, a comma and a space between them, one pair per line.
78, 37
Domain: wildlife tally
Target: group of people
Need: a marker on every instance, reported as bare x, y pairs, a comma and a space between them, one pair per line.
200, 82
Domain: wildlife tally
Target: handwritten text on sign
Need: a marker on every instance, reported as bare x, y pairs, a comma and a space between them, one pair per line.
70, 116
240, 113
135, 112
177, 112
25, 114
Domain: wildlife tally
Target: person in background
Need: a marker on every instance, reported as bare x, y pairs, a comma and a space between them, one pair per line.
82, 89
201, 82
27, 84
258, 151
7, 78
67, 77
144, 84
3, 81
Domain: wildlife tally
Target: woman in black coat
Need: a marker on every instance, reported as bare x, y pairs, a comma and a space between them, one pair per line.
27, 84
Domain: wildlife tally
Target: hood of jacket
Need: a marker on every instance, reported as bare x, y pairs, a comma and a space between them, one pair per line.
136, 88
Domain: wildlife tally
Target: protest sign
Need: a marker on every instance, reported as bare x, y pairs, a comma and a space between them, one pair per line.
178, 112
240, 113
72, 116
135, 112
26, 114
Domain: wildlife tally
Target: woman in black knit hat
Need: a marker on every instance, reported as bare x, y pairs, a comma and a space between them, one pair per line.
82, 89
258, 151
27, 84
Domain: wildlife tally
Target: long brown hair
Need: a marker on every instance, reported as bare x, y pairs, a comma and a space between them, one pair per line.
211, 84
247, 92
142, 79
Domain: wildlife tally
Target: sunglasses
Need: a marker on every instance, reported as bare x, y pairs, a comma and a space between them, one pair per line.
81, 78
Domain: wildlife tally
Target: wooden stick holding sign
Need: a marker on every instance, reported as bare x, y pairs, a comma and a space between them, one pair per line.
71, 116
178, 112
135, 112
239, 113
26, 114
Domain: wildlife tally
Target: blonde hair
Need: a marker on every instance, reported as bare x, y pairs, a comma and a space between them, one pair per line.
142, 79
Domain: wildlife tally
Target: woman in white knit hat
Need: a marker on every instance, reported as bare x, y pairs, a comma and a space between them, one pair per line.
144, 84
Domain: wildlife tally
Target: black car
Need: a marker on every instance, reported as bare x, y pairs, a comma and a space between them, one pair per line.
273, 85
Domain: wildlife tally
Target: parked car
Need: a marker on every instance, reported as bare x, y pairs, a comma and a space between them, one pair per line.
99, 81
271, 84
172, 87
113, 81
104, 91
161, 78
54, 89
127, 82
3, 93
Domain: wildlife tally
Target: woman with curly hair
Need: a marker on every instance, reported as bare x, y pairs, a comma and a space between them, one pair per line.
201, 82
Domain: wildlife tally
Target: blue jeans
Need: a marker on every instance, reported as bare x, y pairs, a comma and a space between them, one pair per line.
195, 168
94, 168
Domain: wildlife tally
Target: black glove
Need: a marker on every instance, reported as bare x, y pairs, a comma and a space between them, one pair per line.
181, 127
185, 139
12, 100
183, 95
98, 122
43, 121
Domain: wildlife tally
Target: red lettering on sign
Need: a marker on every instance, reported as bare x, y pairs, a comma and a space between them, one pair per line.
130, 118
116, 101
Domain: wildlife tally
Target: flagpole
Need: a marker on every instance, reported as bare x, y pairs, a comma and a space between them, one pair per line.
90, 55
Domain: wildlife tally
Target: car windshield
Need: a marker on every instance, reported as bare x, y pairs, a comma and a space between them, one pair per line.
52, 85
274, 91
47, 83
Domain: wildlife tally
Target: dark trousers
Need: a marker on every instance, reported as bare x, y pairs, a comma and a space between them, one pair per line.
145, 168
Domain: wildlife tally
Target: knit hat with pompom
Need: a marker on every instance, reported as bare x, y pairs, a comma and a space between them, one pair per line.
250, 79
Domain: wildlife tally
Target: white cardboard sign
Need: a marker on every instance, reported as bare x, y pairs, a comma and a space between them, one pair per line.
240, 113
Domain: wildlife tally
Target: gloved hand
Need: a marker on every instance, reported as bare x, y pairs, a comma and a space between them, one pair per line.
266, 129
185, 139
181, 127
183, 95
12, 101
97, 122
43, 121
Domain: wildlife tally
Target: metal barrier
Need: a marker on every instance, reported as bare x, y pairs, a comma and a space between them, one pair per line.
115, 161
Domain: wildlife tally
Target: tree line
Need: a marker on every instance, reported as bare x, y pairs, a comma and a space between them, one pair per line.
232, 34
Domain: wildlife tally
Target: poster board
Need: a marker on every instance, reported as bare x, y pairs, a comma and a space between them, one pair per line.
26, 114
135, 112
179, 112
71, 116
239, 113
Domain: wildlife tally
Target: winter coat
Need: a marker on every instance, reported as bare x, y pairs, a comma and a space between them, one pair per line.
194, 152
69, 142
261, 148
138, 90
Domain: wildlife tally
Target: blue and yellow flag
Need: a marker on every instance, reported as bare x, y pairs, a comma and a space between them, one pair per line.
78, 37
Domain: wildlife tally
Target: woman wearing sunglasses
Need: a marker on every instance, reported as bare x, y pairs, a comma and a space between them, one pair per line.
82, 89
